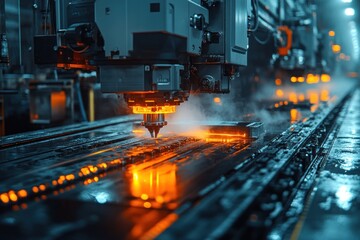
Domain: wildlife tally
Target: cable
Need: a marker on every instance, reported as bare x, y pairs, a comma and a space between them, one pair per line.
255, 10
265, 41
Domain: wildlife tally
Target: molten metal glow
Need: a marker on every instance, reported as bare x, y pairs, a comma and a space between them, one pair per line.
153, 186
153, 110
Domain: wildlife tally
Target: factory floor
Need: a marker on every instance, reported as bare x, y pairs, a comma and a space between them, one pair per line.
334, 209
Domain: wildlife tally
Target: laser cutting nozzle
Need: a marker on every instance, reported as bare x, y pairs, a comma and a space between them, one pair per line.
153, 122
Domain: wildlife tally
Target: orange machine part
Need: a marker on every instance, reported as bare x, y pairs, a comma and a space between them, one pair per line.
284, 50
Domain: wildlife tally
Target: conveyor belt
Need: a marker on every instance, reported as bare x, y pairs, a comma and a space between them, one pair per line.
102, 181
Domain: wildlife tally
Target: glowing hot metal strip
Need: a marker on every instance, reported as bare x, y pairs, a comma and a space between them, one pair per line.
153, 109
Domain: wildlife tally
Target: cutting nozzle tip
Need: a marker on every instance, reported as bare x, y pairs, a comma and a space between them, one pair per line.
154, 131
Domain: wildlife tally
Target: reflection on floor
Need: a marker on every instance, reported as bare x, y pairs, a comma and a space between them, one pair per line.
335, 209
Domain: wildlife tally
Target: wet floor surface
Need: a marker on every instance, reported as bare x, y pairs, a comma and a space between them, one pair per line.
335, 209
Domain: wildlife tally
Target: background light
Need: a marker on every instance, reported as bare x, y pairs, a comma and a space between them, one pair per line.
347, 1
349, 12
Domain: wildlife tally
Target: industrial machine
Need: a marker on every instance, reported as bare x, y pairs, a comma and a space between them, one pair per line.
158, 53
155, 53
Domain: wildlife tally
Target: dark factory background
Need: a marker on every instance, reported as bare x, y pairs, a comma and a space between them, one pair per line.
261, 136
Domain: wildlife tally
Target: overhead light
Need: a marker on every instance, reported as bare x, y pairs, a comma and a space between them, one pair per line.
347, 1
349, 12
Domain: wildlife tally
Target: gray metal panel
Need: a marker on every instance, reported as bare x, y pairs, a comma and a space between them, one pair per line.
122, 79
236, 44
194, 35
118, 20
111, 18
167, 77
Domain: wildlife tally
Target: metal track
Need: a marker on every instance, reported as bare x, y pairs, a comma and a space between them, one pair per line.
250, 202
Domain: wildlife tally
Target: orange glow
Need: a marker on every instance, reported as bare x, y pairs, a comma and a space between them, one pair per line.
58, 100
42, 187
147, 205
293, 79
138, 131
332, 33
312, 79
144, 197
324, 95
342, 56
4, 198
159, 199
294, 115
278, 82
70, 177
352, 74
153, 110
217, 100
325, 77
12, 196
301, 97
313, 97
293, 97
279, 93
85, 171
161, 226
35, 189
22, 193
336, 48
102, 165
153, 183
239, 135
301, 79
